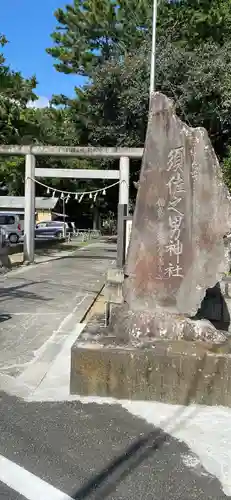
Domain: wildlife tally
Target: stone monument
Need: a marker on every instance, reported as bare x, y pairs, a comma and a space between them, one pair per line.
176, 250
176, 259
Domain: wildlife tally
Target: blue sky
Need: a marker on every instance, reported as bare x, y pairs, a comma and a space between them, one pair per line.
27, 24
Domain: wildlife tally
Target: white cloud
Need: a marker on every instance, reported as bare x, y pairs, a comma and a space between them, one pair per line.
42, 102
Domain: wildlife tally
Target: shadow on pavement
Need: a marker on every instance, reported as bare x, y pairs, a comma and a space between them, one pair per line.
122, 466
4, 317
61, 247
11, 292
113, 250
86, 255
109, 239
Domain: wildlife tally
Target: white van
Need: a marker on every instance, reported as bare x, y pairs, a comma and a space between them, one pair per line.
12, 224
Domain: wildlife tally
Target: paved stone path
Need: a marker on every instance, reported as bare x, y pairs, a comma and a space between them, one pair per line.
41, 305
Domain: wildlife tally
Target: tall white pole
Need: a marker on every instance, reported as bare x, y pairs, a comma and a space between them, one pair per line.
153, 53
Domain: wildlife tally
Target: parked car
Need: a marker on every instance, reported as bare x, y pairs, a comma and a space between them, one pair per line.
4, 238
55, 229
12, 225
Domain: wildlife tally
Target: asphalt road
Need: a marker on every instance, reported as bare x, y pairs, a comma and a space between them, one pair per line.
91, 451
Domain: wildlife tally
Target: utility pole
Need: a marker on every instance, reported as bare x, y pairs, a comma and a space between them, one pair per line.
153, 53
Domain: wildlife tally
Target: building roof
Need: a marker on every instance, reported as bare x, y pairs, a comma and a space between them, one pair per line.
18, 203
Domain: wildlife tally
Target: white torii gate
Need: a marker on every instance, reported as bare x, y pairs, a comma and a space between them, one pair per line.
31, 173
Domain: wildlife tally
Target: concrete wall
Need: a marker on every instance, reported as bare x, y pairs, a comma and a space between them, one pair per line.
172, 372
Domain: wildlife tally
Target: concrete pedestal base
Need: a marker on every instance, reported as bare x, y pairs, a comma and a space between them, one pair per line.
171, 371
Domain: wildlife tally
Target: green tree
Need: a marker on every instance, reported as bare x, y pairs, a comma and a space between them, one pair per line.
90, 32
20, 124
202, 20
108, 36
109, 42
198, 80
15, 92
45, 126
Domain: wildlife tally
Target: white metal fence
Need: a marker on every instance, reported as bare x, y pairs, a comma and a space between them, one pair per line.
87, 234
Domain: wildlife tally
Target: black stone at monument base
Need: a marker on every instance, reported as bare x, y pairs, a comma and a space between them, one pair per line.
176, 372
